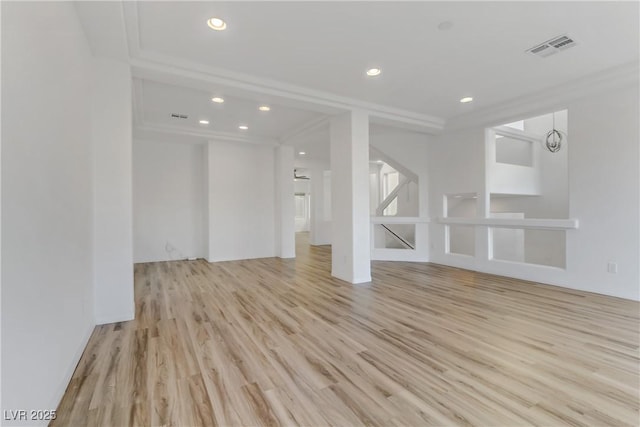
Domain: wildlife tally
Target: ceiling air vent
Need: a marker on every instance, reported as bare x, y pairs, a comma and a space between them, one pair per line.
178, 116
553, 46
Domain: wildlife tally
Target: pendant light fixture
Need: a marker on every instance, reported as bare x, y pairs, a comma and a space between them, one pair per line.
554, 138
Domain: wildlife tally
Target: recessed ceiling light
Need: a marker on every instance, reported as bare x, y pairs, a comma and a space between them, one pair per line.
466, 99
372, 72
204, 122
217, 100
264, 108
379, 161
216, 24
302, 153
243, 127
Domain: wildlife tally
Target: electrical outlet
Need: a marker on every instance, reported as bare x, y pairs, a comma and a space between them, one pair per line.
612, 267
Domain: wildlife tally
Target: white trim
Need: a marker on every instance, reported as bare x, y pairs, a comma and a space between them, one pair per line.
305, 129
547, 100
532, 272
115, 318
150, 65
206, 134
142, 61
517, 134
455, 255
173, 70
399, 220
225, 259
518, 264
533, 223
402, 255
359, 280
158, 67
131, 26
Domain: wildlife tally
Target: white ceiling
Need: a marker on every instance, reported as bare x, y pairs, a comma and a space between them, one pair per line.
315, 144
328, 45
161, 100
307, 60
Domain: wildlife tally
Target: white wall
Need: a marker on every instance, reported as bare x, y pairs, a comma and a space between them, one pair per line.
285, 234
554, 168
113, 241
514, 151
320, 203
509, 243
603, 181
302, 190
206, 200
169, 201
301, 186
456, 165
544, 247
548, 179
553, 201
241, 201
603, 178
462, 239
47, 202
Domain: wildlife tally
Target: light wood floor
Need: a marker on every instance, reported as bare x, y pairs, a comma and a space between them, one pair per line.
279, 342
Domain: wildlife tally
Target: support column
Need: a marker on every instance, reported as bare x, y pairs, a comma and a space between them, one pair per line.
484, 239
350, 235
285, 203
207, 205
320, 227
112, 189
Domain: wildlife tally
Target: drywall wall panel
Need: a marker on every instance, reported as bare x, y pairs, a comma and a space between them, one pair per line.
113, 241
47, 203
241, 201
169, 201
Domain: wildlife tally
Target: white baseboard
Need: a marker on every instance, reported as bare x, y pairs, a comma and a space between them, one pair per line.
123, 317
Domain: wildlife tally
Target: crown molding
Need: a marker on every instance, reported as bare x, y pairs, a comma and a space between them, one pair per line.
303, 130
551, 98
206, 134
167, 69
175, 71
171, 70
132, 27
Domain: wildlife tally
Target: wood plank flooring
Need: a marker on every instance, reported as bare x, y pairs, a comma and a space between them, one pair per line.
280, 342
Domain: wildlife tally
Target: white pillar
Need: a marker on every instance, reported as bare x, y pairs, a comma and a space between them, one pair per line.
285, 203
206, 215
484, 241
112, 174
320, 227
210, 202
350, 235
